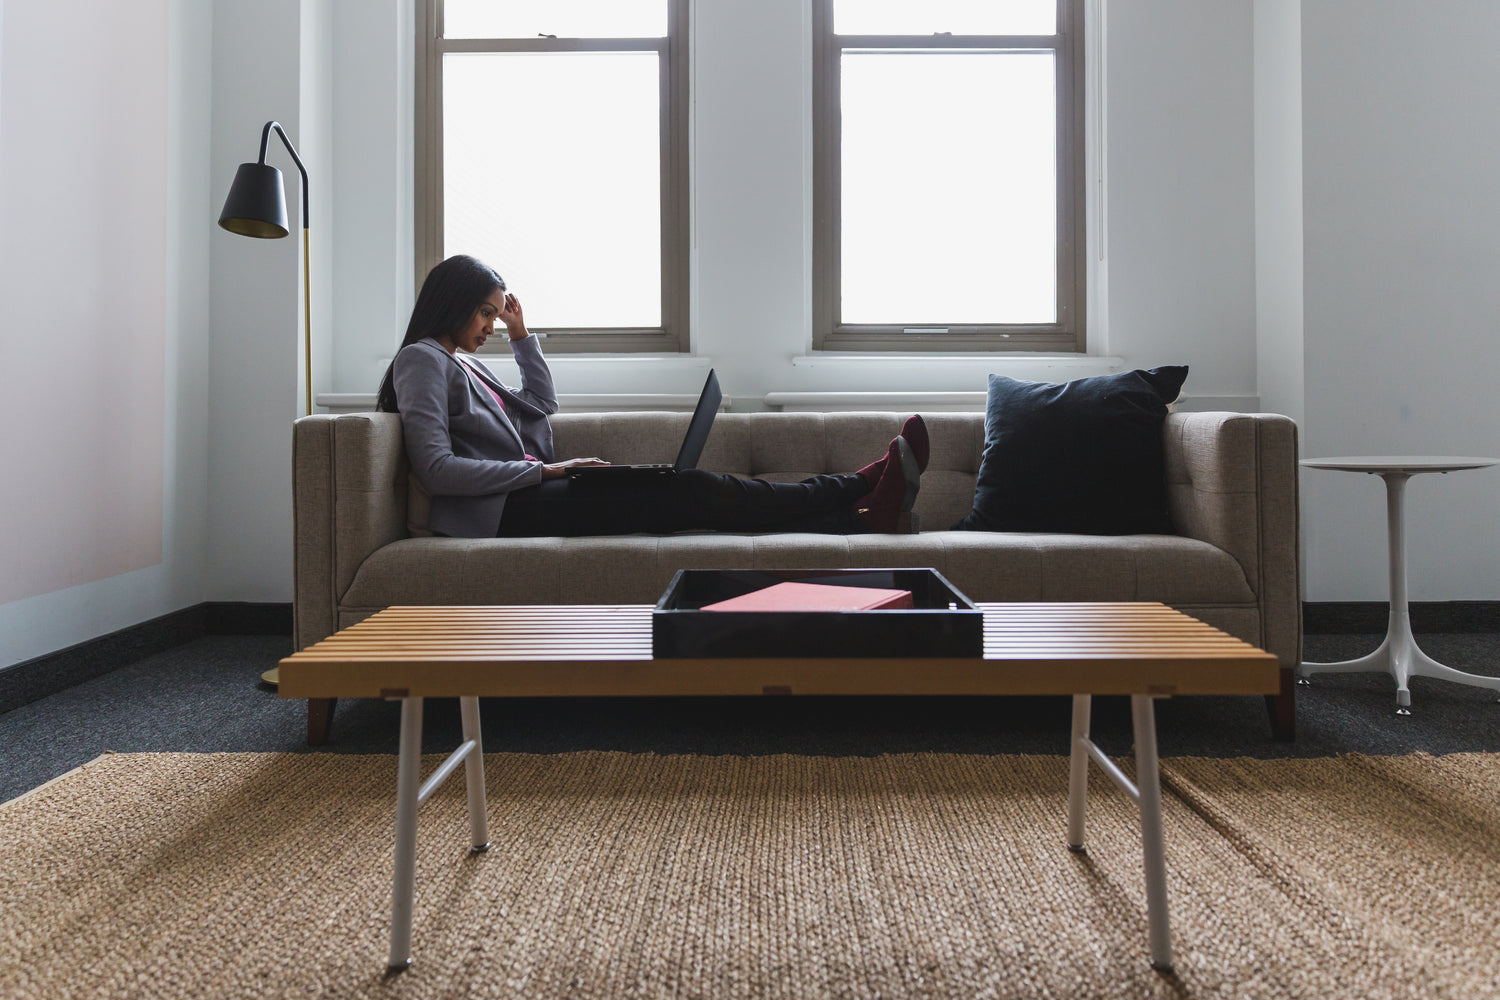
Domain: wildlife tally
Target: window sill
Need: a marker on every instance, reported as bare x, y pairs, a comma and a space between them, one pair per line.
364, 402
995, 361
896, 402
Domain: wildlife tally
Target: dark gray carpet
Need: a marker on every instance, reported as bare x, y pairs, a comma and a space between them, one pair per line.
204, 696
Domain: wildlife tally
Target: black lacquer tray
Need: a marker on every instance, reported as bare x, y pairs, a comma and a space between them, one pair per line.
943, 622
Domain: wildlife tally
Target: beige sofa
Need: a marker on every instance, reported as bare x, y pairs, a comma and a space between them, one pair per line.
1232, 484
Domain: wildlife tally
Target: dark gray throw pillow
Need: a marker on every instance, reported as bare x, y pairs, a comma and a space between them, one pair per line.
1082, 457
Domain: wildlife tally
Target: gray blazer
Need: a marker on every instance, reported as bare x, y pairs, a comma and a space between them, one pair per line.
464, 450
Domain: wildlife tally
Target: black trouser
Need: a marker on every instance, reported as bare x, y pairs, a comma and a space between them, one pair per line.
688, 499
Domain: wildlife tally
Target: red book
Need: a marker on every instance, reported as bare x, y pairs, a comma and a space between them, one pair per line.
814, 597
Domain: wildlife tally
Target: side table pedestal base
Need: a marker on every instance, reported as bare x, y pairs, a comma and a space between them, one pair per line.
1401, 657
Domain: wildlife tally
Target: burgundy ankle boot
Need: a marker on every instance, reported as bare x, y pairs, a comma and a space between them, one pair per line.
915, 432
887, 508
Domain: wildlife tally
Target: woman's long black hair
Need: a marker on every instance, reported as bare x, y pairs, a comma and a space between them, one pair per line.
450, 294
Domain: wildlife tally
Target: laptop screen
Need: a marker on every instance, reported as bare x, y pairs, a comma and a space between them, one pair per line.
700, 425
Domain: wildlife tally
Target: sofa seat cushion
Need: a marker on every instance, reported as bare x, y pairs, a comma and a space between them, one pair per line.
635, 569
1019, 566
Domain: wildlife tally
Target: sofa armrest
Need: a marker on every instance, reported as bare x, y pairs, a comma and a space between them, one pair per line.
349, 476
1232, 482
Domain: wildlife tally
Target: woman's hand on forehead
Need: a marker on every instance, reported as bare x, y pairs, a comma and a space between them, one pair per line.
512, 316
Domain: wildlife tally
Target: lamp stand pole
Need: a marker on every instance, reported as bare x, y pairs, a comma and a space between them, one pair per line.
307, 318
265, 138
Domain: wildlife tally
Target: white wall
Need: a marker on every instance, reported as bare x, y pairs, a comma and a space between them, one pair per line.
1181, 190
315, 145
1278, 206
83, 251
179, 31
373, 92
1402, 216
269, 63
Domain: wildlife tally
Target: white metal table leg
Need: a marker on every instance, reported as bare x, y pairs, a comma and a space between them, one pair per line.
403, 882
1148, 781
1145, 792
1376, 662
1425, 666
1078, 770
474, 775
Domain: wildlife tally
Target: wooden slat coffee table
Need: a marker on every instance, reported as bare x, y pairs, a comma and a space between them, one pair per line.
1146, 651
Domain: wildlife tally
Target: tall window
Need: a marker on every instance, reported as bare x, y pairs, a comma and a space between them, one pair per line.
552, 144
948, 184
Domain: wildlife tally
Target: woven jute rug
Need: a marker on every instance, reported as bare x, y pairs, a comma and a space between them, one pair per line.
621, 875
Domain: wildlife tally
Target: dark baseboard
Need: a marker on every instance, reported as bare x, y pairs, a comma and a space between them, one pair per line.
1370, 617
244, 618
34, 679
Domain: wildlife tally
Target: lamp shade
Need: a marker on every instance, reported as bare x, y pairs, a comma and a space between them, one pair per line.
256, 204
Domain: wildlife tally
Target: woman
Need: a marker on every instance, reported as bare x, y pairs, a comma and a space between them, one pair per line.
483, 450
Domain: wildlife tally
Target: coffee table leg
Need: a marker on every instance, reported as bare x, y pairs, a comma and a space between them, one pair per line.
403, 882
1148, 781
1078, 770
474, 775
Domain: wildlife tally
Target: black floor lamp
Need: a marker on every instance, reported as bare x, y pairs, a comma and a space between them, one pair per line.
256, 206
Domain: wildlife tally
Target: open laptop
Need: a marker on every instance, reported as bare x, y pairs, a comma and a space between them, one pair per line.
687, 456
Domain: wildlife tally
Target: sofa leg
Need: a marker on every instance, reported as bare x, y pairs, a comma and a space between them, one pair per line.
319, 720
1283, 707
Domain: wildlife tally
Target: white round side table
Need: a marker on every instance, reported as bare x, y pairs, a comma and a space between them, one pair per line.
1398, 653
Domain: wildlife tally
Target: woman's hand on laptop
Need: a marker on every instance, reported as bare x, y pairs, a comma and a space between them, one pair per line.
557, 470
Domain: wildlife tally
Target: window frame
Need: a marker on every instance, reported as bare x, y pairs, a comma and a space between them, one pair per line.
1068, 333
673, 334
